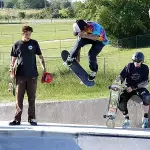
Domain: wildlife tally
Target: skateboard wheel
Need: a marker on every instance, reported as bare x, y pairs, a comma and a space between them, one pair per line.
109, 87
81, 83
104, 116
10, 84
110, 123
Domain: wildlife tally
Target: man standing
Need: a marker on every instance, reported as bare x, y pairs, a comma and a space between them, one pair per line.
24, 52
88, 33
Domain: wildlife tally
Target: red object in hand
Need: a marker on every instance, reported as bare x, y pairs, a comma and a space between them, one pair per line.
47, 77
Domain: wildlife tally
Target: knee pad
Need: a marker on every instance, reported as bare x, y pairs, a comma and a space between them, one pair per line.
122, 106
146, 99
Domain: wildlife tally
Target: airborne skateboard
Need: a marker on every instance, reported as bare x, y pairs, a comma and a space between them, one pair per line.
115, 91
77, 69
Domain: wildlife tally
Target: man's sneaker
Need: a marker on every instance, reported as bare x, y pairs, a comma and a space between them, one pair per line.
92, 76
145, 123
32, 122
126, 124
14, 122
69, 61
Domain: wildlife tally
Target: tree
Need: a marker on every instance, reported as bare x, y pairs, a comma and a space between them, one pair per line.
63, 13
46, 13
21, 15
79, 10
71, 13
13, 4
32, 4
1, 4
127, 17
55, 13
121, 18
55, 5
66, 4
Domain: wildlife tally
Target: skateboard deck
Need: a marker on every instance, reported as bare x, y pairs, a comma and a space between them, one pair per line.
78, 70
12, 87
115, 91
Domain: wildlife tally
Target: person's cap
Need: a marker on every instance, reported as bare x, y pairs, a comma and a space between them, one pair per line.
76, 28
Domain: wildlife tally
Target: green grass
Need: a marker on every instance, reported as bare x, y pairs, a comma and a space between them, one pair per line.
42, 32
66, 85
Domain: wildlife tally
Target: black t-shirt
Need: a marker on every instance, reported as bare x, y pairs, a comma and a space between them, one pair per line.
26, 51
135, 75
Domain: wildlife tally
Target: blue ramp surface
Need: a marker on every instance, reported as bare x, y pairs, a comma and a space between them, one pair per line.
71, 137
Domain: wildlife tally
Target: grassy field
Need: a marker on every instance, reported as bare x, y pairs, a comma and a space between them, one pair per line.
14, 12
65, 85
42, 32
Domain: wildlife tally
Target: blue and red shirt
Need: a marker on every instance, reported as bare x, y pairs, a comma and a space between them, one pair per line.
96, 29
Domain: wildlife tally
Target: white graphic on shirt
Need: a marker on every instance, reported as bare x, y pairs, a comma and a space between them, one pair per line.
135, 76
30, 47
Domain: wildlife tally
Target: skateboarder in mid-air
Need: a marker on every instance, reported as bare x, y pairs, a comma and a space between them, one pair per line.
88, 33
136, 76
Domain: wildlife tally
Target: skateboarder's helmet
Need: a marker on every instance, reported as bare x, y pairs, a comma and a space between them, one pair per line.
138, 57
47, 77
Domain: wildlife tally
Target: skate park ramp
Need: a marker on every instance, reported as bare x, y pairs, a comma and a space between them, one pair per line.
71, 137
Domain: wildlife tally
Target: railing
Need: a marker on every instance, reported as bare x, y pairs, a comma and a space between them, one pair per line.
139, 41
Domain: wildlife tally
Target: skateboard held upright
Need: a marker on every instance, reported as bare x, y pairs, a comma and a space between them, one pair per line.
12, 84
115, 91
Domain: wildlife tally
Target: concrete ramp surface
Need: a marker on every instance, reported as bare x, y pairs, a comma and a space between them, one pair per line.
71, 137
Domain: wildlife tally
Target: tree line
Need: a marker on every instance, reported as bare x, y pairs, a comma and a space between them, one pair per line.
120, 18
55, 8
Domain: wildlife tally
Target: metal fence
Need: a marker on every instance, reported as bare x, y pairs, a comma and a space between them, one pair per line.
49, 49
52, 50
139, 41
106, 64
40, 36
13, 20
